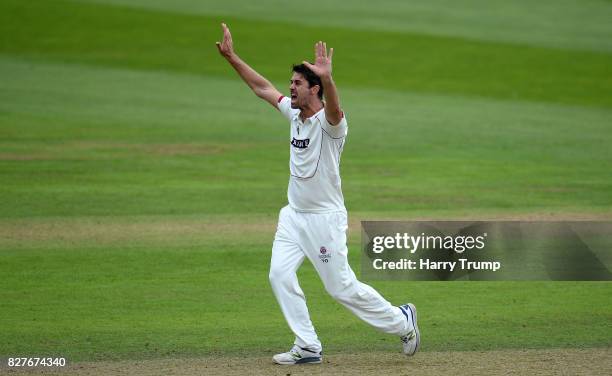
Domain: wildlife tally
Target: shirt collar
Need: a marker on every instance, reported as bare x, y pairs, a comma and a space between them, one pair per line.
314, 116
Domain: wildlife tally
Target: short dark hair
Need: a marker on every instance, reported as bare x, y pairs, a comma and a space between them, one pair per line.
310, 76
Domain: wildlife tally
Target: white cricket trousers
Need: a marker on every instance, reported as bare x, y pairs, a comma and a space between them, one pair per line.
322, 239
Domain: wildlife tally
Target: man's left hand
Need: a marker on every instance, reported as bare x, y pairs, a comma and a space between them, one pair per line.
323, 62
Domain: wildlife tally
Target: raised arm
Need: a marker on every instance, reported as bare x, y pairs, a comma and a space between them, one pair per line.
260, 86
323, 68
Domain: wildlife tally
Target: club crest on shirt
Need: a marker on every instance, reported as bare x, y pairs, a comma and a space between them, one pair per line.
300, 144
324, 254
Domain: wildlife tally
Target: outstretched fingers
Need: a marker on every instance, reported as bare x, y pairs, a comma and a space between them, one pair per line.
321, 50
225, 46
322, 63
226, 33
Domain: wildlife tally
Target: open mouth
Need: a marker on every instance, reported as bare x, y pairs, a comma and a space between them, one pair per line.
293, 96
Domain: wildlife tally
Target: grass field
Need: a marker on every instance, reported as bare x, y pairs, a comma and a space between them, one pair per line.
141, 180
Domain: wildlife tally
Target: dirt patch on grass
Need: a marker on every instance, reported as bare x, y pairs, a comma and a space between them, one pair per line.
104, 232
160, 230
506, 362
356, 218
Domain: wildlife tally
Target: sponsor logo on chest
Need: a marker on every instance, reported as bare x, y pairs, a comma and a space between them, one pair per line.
300, 144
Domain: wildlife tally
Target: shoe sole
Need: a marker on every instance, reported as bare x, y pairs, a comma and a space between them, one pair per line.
311, 360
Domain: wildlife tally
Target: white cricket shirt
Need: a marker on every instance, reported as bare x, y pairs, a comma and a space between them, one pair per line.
314, 160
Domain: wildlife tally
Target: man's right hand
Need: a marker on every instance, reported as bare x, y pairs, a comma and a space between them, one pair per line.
260, 86
226, 46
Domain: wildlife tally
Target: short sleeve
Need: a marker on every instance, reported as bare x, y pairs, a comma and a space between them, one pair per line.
284, 106
336, 131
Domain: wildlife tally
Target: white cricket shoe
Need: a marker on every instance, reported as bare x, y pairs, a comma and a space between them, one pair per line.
412, 340
298, 355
